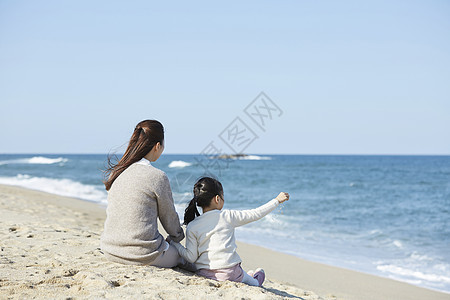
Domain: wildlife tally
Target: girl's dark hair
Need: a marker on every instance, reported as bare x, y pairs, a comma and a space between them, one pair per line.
204, 190
146, 135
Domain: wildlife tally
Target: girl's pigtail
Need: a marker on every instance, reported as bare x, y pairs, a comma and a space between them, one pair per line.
191, 211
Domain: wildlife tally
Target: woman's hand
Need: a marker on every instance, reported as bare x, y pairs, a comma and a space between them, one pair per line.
282, 197
168, 239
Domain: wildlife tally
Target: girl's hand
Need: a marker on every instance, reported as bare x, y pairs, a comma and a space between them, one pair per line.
168, 239
282, 197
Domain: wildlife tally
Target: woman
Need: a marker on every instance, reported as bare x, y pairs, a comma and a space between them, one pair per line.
138, 194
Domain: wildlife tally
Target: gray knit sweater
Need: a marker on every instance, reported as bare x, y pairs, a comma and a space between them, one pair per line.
138, 196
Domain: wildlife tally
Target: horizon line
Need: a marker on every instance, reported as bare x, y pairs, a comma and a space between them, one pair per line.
305, 154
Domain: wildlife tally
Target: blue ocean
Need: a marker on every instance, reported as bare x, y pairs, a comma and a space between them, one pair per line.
384, 215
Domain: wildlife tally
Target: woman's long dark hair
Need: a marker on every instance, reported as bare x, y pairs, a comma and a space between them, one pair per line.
145, 136
204, 190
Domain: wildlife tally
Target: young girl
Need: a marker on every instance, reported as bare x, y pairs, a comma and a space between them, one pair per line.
210, 241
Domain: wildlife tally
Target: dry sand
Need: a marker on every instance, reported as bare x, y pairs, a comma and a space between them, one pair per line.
49, 250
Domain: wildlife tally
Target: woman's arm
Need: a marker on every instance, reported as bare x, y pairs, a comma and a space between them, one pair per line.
190, 253
166, 210
242, 217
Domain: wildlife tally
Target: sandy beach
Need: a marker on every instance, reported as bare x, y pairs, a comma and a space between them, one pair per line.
50, 250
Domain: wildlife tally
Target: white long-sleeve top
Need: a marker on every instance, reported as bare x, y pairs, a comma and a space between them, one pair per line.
210, 241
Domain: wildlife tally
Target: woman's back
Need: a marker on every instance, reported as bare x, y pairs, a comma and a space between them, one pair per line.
137, 197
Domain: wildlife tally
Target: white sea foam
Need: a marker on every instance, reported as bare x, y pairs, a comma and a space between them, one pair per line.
416, 256
39, 160
375, 233
397, 244
412, 275
63, 187
255, 157
274, 220
180, 201
179, 164
180, 210
181, 196
46, 161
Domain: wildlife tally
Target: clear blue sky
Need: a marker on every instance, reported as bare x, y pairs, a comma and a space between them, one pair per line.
351, 77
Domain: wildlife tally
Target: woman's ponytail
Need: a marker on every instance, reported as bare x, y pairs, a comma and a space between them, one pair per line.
145, 136
191, 211
204, 190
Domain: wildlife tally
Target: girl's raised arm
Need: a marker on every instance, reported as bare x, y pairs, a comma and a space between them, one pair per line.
242, 217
